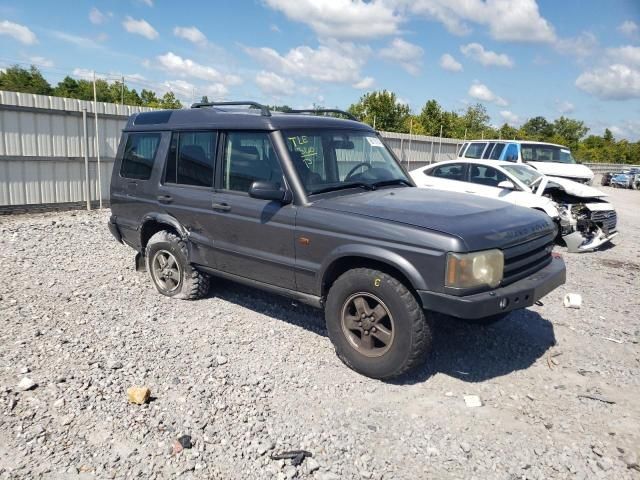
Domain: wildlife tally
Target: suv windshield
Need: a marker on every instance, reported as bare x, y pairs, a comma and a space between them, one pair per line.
335, 159
546, 153
526, 175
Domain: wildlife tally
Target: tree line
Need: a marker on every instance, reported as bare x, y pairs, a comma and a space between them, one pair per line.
380, 109
18, 79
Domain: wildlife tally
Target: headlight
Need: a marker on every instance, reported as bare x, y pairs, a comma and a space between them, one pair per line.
466, 270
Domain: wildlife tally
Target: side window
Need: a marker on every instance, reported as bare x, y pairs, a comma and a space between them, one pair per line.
139, 154
451, 171
461, 151
512, 153
475, 150
488, 151
497, 151
488, 176
191, 158
249, 157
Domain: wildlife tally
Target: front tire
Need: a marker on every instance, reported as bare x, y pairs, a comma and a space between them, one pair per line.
376, 325
167, 263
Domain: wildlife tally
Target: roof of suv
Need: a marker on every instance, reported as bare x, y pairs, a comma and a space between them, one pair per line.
476, 161
516, 141
246, 119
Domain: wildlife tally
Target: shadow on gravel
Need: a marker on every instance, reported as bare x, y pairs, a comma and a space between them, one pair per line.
275, 306
474, 353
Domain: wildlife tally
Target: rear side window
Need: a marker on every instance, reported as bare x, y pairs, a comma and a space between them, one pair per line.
497, 151
475, 150
452, 171
512, 153
139, 155
464, 145
487, 152
190, 159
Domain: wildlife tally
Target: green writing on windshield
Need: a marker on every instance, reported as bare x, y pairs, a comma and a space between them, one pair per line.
301, 145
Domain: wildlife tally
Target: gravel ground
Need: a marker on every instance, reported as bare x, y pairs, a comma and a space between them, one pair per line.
247, 374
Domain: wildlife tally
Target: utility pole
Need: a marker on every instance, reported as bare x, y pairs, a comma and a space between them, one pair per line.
85, 145
95, 112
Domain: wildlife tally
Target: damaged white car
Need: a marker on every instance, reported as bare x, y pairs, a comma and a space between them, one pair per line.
585, 219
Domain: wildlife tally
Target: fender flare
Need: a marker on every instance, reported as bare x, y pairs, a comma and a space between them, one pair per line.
379, 254
165, 219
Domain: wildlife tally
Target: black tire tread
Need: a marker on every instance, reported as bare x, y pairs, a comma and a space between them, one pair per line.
421, 328
196, 283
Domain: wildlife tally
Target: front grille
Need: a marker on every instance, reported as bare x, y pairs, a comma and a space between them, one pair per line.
526, 258
606, 220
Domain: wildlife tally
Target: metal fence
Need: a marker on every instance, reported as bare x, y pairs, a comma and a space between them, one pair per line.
42, 149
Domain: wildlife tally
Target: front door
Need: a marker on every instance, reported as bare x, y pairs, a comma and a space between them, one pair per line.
253, 238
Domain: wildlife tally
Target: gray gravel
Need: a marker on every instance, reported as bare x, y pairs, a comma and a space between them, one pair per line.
246, 374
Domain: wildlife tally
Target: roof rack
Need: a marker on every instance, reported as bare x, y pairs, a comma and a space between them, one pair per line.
323, 110
264, 110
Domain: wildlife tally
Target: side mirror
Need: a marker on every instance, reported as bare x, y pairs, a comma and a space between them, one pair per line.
507, 184
267, 191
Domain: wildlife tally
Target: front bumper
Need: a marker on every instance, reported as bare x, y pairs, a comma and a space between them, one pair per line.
520, 294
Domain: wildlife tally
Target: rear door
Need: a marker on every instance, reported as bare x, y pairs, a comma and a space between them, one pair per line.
253, 238
186, 189
484, 181
450, 176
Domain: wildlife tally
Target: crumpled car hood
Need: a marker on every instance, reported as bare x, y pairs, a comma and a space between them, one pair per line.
571, 187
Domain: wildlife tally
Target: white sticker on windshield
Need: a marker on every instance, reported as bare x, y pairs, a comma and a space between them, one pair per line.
564, 150
374, 142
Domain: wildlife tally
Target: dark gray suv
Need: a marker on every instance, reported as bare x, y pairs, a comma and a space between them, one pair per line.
317, 208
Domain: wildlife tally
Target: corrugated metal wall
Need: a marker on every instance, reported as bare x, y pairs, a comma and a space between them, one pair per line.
42, 151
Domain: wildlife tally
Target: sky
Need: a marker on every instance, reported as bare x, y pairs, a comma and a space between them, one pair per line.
520, 58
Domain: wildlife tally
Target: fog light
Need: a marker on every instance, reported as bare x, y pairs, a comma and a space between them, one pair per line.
503, 303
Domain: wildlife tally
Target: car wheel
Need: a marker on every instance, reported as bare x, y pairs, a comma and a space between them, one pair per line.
171, 273
376, 324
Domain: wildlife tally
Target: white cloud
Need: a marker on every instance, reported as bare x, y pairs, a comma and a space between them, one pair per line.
476, 52
148, 3
481, 92
273, 84
447, 62
41, 61
628, 54
187, 68
364, 84
510, 117
274, 28
192, 34
507, 20
581, 46
333, 62
97, 17
408, 55
628, 28
139, 27
614, 82
78, 41
564, 107
18, 32
342, 18
83, 73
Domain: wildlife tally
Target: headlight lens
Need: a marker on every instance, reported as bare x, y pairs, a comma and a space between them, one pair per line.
467, 270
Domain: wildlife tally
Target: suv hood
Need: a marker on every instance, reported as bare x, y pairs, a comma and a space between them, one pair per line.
567, 170
481, 223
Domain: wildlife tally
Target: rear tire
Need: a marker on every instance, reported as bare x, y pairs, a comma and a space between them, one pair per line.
376, 324
167, 263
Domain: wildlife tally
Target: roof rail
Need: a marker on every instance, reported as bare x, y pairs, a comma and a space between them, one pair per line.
324, 110
264, 110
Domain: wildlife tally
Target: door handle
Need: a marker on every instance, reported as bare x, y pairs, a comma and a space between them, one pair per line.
222, 207
165, 198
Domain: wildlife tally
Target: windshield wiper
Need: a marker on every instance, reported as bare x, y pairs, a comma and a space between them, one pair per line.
395, 181
364, 185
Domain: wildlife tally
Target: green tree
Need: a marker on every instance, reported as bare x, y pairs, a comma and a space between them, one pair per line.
169, 101
507, 132
537, 128
569, 131
475, 122
382, 110
18, 79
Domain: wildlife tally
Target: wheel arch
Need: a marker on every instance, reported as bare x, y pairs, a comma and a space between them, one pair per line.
355, 257
154, 223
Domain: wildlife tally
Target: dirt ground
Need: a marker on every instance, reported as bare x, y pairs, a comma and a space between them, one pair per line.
247, 374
